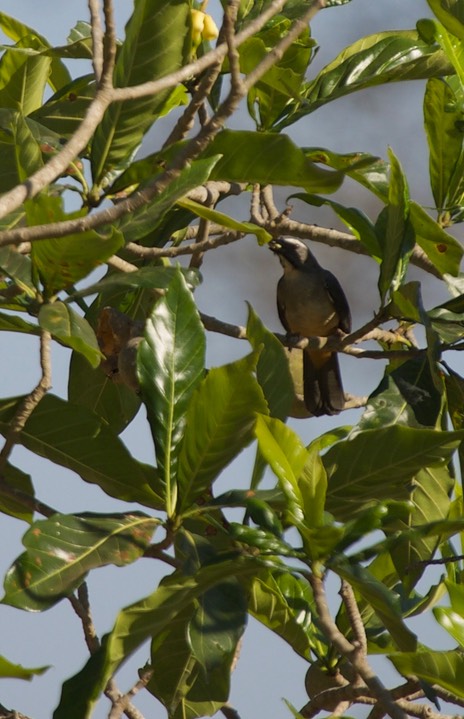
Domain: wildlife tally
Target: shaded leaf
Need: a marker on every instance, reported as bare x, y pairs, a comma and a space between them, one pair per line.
19, 480
19, 268
451, 14
65, 110
136, 624
60, 551
71, 330
75, 438
12, 323
219, 423
20, 153
442, 249
170, 365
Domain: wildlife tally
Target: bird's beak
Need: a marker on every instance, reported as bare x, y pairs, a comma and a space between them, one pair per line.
274, 245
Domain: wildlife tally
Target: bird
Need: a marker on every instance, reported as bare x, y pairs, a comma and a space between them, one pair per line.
311, 303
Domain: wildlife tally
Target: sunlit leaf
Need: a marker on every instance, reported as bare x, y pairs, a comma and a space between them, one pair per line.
60, 551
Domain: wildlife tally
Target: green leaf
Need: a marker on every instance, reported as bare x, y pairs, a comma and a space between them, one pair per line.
268, 158
20, 154
369, 171
221, 219
431, 502
178, 683
60, 551
23, 77
286, 455
170, 366
394, 231
272, 370
16, 671
357, 222
19, 268
442, 249
17, 479
451, 14
64, 111
136, 624
443, 668
71, 330
283, 603
215, 629
11, 323
75, 438
219, 423
361, 472
157, 43
444, 137
63, 261
313, 488
14, 29
373, 60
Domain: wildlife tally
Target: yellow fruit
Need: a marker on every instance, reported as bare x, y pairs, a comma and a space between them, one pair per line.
210, 30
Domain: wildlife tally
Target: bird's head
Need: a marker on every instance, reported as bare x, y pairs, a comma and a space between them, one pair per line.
291, 252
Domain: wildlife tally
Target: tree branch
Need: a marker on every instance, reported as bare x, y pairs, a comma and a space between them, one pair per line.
30, 402
351, 652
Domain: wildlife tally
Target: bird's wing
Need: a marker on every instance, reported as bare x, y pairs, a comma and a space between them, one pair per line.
339, 300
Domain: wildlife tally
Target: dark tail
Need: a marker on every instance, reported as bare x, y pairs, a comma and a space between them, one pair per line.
323, 389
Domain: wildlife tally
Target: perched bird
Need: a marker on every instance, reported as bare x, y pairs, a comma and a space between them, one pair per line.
311, 303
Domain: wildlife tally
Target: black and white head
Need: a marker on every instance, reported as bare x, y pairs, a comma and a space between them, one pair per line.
291, 252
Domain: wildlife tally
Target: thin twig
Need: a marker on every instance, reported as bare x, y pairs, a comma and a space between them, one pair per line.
203, 246
97, 38
30, 402
120, 706
351, 652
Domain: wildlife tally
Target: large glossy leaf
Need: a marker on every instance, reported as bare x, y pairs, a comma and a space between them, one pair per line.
14, 29
268, 158
218, 425
157, 42
283, 603
23, 77
61, 262
60, 551
71, 330
384, 57
137, 623
443, 668
362, 471
170, 366
75, 438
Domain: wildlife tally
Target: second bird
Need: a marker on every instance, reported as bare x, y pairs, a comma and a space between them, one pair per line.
311, 303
